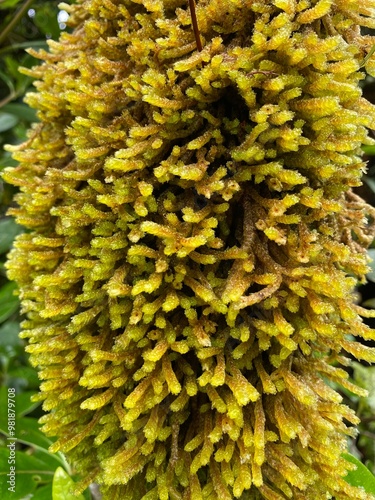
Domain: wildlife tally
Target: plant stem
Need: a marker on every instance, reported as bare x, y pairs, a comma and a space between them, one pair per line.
7, 99
24, 45
18, 16
195, 25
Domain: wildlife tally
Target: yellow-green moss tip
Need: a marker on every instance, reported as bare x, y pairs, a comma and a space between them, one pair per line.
193, 244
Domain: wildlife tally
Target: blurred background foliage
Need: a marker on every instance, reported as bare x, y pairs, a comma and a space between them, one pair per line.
40, 474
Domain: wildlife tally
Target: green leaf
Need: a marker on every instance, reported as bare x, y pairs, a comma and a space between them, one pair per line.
36, 44
30, 473
26, 373
369, 150
24, 405
5, 4
6, 160
7, 121
364, 376
23, 490
12, 66
370, 303
9, 334
361, 476
28, 464
8, 81
8, 231
9, 303
23, 111
28, 430
44, 493
46, 20
63, 486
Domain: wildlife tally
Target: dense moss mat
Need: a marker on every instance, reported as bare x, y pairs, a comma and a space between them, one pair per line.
194, 242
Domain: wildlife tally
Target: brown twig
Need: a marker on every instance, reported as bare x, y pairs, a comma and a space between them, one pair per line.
195, 25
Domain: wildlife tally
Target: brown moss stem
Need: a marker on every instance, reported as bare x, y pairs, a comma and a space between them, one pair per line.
195, 25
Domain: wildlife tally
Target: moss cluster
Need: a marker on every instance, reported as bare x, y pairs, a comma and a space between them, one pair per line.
194, 242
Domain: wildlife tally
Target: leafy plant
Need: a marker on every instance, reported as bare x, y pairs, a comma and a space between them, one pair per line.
360, 476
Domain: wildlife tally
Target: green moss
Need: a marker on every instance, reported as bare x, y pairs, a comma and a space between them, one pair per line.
194, 242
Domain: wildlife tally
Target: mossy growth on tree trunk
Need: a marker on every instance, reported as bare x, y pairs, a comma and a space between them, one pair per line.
193, 243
